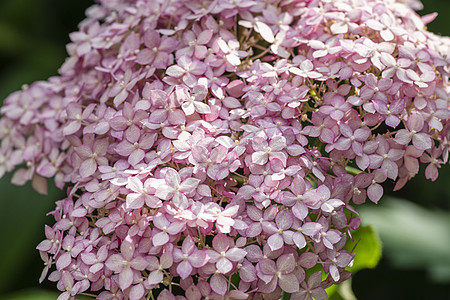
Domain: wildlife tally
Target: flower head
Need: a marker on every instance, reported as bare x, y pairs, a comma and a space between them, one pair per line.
204, 141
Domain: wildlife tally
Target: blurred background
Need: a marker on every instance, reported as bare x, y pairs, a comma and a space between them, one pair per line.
413, 224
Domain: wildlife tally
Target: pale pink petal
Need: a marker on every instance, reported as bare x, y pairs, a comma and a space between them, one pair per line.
422, 141
387, 35
289, 283
136, 157
145, 56
184, 269
286, 263
160, 239
268, 266
134, 201
137, 292
339, 27
201, 107
72, 127
125, 278
114, 263
374, 192
265, 31
316, 44
175, 71
135, 184
155, 277
235, 254
275, 241
260, 158
88, 167
224, 265
63, 261
219, 284
165, 192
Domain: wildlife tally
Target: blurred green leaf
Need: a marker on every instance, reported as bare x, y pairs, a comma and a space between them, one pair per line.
342, 291
23, 214
413, 237
10, 38
332, 290
367, 250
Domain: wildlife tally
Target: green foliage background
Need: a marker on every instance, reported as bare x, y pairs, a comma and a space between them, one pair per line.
415, 233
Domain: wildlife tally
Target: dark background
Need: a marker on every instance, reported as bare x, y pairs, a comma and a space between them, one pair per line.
415, 233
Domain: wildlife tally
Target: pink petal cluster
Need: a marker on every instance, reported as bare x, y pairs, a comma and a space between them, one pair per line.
209, 148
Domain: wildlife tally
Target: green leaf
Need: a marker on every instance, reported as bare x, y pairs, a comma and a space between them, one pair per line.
23, 214
10, 39
342, 291
413, 236
235, 279
367, 250
352, 170
332, 290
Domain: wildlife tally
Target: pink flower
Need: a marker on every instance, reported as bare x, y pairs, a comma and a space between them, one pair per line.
391, 111
92, 152
385, 27
431, 172
187, 69
305, 70
420, 140
224, 253
135, 145
330, 47
126, 263
203, 141
353, 140
261, 220
165, 108
311, 288
121, 89
76, 115
374, 89
156, 267
280, 234
189, 257
71, 249
129, 121
231, 50
195, 41
193, 103
95, 261
374, 50
265, 152
336, 108
175, 190
397, 67
158, 51
280, 273
385, 158
166, 228
141, 194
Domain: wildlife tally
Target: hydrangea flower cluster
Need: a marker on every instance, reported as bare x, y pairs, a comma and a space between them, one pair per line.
216, 149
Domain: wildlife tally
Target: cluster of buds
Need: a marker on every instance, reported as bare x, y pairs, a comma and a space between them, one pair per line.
217, 149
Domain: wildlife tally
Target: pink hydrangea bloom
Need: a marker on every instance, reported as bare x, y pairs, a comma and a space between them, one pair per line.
202, 142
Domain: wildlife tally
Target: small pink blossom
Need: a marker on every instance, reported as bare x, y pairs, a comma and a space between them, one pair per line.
126, 263
224, 254
419, 139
